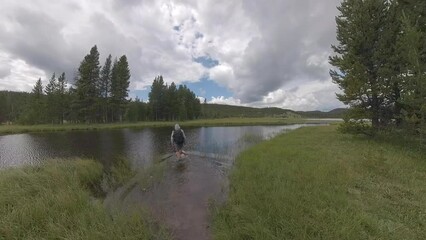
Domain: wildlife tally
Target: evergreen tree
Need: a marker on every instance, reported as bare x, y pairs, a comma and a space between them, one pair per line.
136, 111
182, 100
63, 98
87, 94
157, 99
14, 105
35, 114
120, 81
105, 87
413, 47
3, 108
52, 100
114, 87
172, 103
359, 59
74, 109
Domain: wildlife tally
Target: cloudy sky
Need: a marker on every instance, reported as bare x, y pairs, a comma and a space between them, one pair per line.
242, 52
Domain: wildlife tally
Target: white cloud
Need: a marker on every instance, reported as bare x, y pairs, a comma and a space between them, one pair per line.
201, 99
262, 49
224, 75
227, 101
20, 76
315, 95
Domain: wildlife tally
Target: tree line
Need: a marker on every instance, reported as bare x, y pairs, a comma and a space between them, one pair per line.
380, 62
99, 95
165, 103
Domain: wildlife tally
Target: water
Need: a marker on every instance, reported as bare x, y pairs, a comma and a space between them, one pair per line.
141, 146
180, 200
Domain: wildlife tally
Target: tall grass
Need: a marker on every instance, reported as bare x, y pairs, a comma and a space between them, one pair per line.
53, 201
315, 183
118, 174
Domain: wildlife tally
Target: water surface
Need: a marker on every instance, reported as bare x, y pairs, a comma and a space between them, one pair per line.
141, 146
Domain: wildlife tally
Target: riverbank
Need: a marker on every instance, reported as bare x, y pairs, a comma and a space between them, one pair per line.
315, 183
14, 129
58, 201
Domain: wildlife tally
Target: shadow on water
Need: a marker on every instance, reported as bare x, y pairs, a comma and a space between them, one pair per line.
181, 195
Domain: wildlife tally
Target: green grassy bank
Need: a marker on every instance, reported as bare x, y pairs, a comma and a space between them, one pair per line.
315, 183
55, 201
11, 129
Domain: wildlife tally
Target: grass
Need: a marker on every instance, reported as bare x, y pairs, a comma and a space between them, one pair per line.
315, 183
118, 174
143, 178
147, 177
13, 129
53, 201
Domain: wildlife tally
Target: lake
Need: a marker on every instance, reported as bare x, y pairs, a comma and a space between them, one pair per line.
140, 146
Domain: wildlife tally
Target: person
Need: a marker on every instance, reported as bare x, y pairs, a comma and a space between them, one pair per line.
178, 139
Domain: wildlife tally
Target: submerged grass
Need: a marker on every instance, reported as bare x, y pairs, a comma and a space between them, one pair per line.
12, 129
119, 173
53, 201
315, 183
147, 177
143, 178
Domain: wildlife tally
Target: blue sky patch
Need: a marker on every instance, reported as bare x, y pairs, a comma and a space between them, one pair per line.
206, 88
206, 61
198, 35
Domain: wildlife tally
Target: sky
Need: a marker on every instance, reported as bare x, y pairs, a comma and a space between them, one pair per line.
242, 52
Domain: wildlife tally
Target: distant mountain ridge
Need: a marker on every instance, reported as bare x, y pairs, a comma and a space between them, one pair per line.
224, 111
335, 113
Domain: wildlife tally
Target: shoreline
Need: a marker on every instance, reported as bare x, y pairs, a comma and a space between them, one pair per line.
18, 129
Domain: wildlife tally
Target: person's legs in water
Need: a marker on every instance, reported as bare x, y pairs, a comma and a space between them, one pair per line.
178, 149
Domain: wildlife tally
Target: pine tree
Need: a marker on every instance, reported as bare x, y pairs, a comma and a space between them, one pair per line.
172, 103
360, 57
114, 90
3, 108
87, 94
105, 87
413, 49
157, 99
63, 98
36, 108
182, 101
120, 81
52, 104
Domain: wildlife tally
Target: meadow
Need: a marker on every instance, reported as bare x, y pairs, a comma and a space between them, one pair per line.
316, 183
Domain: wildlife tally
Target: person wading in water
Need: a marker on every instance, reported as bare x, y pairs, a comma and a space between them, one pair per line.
178, 139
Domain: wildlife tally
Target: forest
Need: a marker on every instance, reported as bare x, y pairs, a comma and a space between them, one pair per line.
99, 94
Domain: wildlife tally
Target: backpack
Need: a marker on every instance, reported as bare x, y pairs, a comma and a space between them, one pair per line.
178, 137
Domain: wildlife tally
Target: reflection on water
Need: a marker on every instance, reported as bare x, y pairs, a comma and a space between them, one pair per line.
141, 146
180, 200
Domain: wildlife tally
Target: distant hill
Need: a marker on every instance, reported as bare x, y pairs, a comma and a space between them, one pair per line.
335, 113
224, 111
